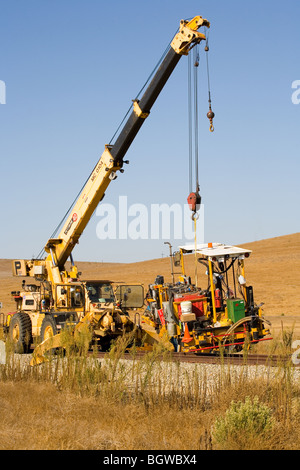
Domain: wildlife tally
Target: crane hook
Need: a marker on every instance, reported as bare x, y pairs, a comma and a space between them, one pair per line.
194, 202
210, 116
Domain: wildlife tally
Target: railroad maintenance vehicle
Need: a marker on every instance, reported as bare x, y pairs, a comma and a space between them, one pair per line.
222, 315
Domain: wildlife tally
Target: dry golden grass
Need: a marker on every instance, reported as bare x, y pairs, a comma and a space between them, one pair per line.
69, 404
40, 416
72, 403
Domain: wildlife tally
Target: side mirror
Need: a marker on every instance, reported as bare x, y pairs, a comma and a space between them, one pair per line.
177, 258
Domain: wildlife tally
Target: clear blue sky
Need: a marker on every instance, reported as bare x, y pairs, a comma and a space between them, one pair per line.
71, 69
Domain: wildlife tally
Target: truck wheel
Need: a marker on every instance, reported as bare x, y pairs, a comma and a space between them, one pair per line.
20, 332
48, 328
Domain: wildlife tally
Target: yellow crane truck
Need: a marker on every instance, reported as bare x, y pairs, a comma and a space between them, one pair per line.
58, 297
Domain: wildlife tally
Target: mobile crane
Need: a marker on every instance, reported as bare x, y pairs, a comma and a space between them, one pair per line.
59, 297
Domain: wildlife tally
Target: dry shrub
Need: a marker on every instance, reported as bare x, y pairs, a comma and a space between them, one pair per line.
246, 421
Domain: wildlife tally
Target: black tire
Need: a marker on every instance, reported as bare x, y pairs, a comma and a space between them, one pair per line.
20, 332
48, 327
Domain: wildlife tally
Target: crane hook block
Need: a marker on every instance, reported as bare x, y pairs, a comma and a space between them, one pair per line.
194, 201
211, 116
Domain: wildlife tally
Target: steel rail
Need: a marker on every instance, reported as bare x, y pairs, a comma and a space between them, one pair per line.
214, 359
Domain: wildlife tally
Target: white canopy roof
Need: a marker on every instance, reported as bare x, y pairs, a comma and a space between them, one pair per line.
217, 250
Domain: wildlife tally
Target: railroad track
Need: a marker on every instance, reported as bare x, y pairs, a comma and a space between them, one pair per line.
235, 359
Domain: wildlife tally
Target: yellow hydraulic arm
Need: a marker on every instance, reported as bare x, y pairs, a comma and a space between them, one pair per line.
111, 160
60, 249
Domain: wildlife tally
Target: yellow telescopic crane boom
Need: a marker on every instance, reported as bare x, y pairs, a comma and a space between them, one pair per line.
60, 249
112, 158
